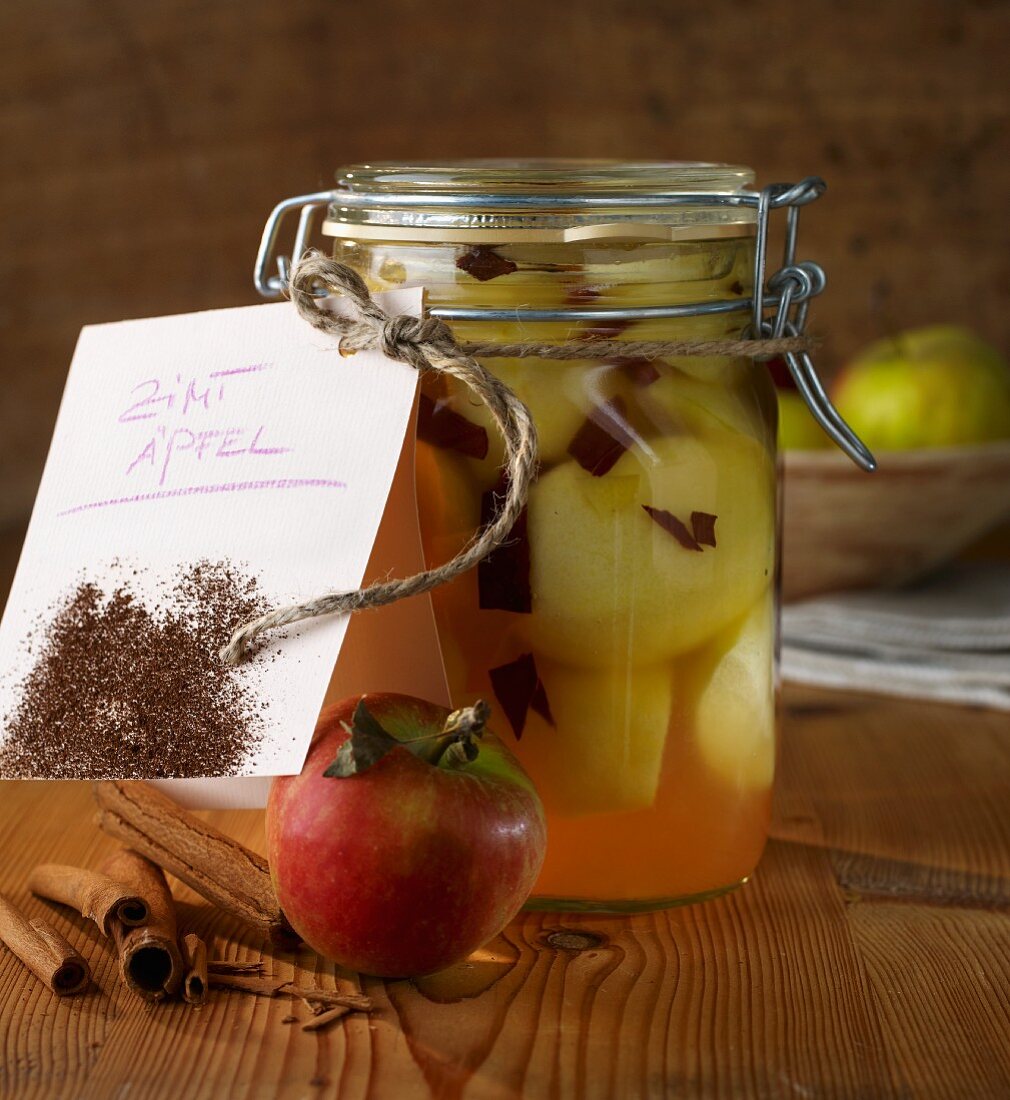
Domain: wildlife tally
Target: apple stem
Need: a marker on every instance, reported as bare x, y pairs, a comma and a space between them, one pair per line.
458, 742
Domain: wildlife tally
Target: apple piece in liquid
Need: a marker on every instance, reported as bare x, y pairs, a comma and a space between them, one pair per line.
611, 586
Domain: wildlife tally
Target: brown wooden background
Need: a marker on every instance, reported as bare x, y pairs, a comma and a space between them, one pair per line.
143, 143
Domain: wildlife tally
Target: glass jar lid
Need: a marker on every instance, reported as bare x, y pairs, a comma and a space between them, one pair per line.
561, 200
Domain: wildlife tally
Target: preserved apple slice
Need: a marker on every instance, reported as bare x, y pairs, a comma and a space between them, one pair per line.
734, 715
605, 751
449, 505
560, 396
447, 498
609, 584
741, 403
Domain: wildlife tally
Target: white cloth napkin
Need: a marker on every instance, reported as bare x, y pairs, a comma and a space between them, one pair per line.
946, 639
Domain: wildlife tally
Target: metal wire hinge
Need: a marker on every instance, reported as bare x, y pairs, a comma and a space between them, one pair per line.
778, 307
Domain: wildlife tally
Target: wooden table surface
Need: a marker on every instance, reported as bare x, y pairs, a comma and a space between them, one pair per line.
869, 956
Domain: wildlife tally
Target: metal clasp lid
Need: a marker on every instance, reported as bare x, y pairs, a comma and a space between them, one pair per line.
779, 305
790, 289
273, 286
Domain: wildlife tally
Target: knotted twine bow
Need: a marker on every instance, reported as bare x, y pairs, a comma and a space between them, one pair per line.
427, 344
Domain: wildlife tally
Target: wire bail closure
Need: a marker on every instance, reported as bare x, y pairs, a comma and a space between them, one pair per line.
778, 307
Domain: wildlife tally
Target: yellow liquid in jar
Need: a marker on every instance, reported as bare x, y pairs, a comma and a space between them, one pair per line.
653, 745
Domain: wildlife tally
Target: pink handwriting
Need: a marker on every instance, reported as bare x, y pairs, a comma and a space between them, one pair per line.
177, 437
239, 370
166, 449
185, 394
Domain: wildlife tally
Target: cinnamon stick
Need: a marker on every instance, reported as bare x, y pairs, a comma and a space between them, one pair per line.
324, 1019
227, 966
194, 958
94, 895
43, 950
215, 865
270, 987
149, 959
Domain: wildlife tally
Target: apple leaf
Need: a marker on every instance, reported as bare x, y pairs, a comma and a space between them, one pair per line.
367, 744
456, 744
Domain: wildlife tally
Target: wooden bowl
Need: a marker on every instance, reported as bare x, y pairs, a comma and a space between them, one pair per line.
847, 529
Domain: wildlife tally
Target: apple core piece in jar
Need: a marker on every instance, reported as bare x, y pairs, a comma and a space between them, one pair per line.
734, 715
617, 574
605, 751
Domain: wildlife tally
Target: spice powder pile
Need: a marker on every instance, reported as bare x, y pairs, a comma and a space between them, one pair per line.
121, 690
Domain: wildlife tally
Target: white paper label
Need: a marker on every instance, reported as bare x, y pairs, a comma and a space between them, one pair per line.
237, 438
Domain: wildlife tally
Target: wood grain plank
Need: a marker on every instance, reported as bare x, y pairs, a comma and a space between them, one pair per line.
913, 797
941, 979
870, 956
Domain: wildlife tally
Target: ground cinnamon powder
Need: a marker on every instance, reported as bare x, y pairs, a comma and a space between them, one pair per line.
120, 689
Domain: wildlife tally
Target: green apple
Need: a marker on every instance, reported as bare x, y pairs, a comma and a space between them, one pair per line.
933, 387
798, 431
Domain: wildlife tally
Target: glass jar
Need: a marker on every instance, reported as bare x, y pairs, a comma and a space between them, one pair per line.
627, 631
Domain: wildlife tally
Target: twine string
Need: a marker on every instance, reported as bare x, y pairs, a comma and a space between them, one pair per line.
428, 345
761, 350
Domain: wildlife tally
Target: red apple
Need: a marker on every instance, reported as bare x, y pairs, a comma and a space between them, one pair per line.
409, 863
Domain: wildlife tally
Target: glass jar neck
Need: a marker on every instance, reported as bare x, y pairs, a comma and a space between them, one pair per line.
562, 201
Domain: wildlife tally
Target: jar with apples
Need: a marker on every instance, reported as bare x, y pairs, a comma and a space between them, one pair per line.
626, 633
